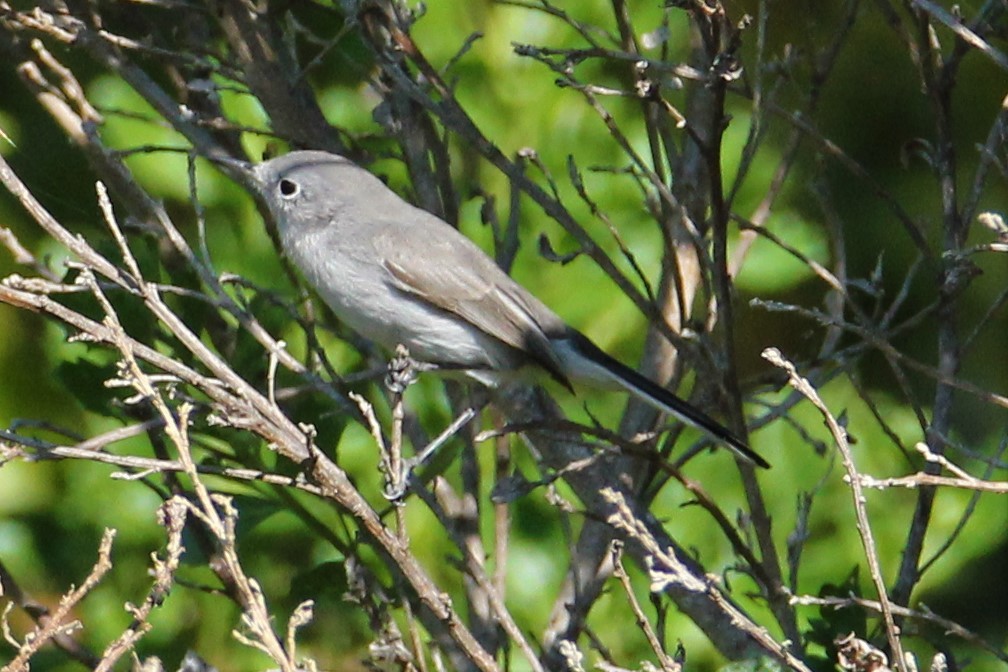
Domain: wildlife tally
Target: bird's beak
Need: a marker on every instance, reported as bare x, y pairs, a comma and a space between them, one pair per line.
242, 172
231, 165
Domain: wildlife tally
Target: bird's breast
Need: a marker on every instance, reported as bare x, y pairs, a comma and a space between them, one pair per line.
362, 294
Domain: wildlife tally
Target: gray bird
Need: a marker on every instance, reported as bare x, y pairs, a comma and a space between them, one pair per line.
397, 274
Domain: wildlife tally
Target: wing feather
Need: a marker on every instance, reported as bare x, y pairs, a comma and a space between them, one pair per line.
459, 278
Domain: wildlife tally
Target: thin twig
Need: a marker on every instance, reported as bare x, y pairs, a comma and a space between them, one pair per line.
864, 528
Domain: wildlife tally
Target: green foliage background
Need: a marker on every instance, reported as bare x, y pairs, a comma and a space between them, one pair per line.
52, 514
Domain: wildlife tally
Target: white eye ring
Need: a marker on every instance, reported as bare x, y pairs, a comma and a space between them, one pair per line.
288, 188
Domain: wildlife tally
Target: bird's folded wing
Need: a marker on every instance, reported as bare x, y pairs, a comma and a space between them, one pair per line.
460, 279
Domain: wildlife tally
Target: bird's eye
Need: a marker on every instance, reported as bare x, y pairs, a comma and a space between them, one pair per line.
289, 188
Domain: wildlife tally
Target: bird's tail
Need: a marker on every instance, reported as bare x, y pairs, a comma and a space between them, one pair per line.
585, 361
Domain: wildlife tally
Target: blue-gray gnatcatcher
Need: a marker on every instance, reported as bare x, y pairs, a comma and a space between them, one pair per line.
397, 274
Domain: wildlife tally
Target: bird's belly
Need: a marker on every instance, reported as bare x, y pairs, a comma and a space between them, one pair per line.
390, 318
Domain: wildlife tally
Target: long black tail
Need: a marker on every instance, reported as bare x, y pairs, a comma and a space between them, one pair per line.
663, 400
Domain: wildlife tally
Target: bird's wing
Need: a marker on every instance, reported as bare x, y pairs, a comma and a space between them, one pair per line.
459, 278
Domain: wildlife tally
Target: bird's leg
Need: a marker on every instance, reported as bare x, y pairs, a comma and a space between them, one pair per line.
458, 423
396, 490
401, 374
